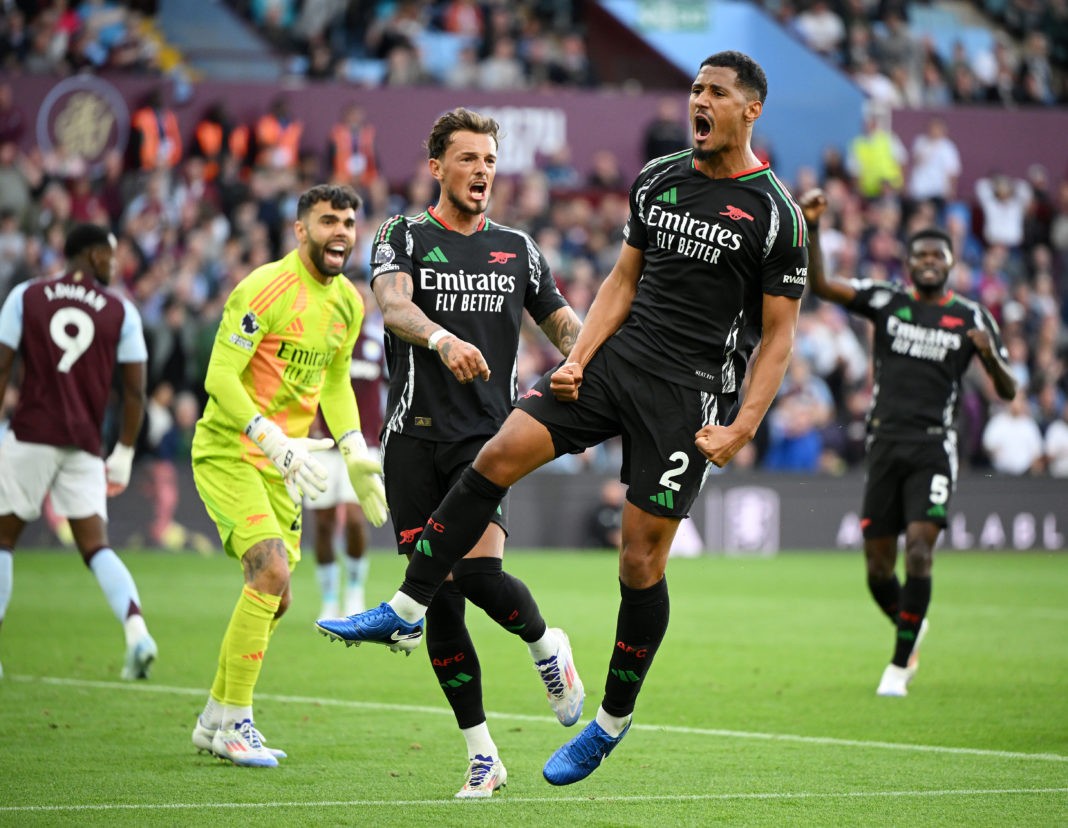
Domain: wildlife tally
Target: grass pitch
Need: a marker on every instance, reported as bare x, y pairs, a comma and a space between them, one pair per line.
760, 709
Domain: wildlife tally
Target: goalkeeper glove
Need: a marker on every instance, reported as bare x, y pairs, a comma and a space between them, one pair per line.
118, 467
364, 473
292, 456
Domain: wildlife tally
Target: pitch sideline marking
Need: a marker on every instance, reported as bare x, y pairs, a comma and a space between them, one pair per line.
444, 711
527, 800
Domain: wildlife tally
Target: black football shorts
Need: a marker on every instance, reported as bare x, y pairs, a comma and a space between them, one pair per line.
906, 482
417, 475
658, 420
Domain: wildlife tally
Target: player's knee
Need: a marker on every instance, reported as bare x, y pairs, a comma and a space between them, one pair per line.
918, 557
477, 578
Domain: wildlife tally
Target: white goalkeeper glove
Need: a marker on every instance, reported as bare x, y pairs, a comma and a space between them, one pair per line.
364, 473
118, 467
292, 456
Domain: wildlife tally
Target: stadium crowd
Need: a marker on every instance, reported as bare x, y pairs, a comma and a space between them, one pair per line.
196, 214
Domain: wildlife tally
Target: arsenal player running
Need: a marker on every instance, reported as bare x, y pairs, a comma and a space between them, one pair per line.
925, 336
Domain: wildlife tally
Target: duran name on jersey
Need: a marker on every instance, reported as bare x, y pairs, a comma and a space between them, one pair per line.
475, 286
712, 249
921, 350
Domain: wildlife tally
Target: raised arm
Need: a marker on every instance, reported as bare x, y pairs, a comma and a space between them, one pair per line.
405, 319
829, 288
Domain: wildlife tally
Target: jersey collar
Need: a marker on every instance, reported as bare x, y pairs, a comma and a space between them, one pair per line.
761, 168
439, 220
947, 297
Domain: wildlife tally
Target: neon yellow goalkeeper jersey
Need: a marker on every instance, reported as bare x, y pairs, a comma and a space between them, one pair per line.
284, 344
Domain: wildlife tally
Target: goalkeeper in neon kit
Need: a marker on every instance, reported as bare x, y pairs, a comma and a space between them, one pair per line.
282, 350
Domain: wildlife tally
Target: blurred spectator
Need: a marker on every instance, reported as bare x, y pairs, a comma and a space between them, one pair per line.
15, 187
573, 66
398, 25
351, 155
1035, 80
155, 140
502, 70
463, 72
821, 29
935, 166
1039, 215
1056, 445
1003, 203
668, 132
404, 67
880, 90
277, 136
463, 17
559, 172
12, 119
605, 173
876, 158
317, 18
12, 250
216, 138
1012, 440
803, 407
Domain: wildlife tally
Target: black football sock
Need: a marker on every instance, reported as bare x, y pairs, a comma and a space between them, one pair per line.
503, 597
640, 627
451, 533
915, 598
887, 595
453, 656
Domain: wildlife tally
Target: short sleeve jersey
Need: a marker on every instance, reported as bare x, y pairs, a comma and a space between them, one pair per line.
712, 248
292, 328
476, 286
921, 352
70, 331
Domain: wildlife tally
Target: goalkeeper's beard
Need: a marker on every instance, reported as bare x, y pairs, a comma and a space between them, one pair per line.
316, 254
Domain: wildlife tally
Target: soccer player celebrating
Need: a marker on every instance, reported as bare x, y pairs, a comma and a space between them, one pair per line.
925, 336
283, 349
712, 263
452, 286
70, 332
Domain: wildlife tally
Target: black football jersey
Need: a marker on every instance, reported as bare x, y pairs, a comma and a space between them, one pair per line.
921, 352
476, 287
712, 248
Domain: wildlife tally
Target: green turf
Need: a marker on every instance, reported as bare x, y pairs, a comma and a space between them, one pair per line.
760, 709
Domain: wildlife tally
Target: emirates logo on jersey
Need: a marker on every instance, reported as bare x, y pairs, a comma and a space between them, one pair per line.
736, 213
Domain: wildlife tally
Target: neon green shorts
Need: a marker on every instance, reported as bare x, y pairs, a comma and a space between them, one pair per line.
247, 506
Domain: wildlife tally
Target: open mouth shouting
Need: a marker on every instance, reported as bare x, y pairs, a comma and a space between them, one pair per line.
702, 127
479, 191
334, 255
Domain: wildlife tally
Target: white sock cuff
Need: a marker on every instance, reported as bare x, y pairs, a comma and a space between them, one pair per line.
612, 725
545, 647
479, 741
407, 607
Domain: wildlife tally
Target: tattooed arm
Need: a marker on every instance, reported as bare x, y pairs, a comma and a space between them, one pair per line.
405, 319
562, 328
